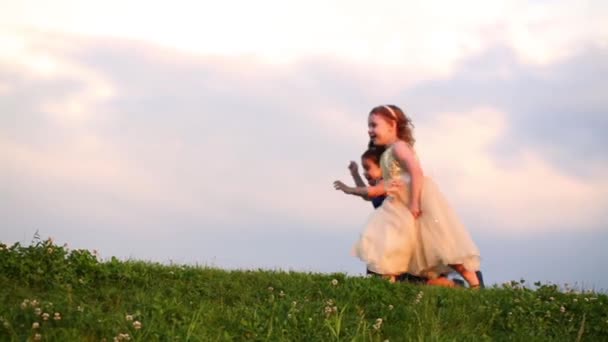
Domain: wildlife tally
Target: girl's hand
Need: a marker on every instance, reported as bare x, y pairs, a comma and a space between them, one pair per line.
415, 210
353, 167
338, 185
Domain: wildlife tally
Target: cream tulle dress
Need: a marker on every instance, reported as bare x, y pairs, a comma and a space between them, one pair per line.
393, 242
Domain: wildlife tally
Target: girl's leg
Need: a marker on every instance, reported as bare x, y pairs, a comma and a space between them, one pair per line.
391, 277
469, 276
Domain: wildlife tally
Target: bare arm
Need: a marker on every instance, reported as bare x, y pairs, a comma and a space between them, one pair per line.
407, 158
369, 191
354, 171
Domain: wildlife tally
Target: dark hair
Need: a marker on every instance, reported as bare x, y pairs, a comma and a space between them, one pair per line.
405, 127
373, 154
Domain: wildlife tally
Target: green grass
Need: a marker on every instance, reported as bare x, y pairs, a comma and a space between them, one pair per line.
85, 299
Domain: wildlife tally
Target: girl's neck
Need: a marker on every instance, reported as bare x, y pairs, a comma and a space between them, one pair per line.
392, 141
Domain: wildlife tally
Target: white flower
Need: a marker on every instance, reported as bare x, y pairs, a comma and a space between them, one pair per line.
45, 316
586, 299
334, 282
37, 311
575, 300
35, 325
390, 307
281, 294
551, 298
57, 316
37, 337
137, 325
562, 309
129, 317
270, 288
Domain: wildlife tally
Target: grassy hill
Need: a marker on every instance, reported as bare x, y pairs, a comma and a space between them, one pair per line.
50, 293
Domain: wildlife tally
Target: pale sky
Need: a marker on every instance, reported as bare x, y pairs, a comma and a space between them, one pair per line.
211, 133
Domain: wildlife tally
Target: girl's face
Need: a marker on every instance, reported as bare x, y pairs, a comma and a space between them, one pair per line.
381, 131
371, 171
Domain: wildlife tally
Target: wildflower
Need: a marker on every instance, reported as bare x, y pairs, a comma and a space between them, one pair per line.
378, 324
81, 280
34, 303
562, 309
586, 299
390, 307
137, 325
122, 337
35, 325
328, 310
37, 337
49, 250
510, 313
551, 298
57, 316
129, 317
288, 316
270, 288
419, 297
575, 300
334, 282
80, 308
45, 316
294, 303
329, 302
37, 311
281, 294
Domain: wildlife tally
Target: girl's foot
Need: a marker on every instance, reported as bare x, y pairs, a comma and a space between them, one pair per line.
391, 278
469, 276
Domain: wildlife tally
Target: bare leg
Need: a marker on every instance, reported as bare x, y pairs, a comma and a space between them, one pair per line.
469, 276
391, 277
441, 281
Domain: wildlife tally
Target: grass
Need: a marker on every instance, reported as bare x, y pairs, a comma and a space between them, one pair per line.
51, 293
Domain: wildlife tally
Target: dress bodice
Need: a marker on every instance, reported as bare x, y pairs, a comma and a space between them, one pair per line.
391, 168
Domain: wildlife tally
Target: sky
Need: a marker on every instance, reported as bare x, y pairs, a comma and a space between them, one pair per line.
210, 133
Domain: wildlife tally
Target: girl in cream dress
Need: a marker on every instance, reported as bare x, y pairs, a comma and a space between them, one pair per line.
414, 230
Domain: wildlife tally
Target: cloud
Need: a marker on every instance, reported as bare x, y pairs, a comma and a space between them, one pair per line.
523, 193
157, 131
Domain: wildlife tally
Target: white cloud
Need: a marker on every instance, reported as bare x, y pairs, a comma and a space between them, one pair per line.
426, 37
519, 193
